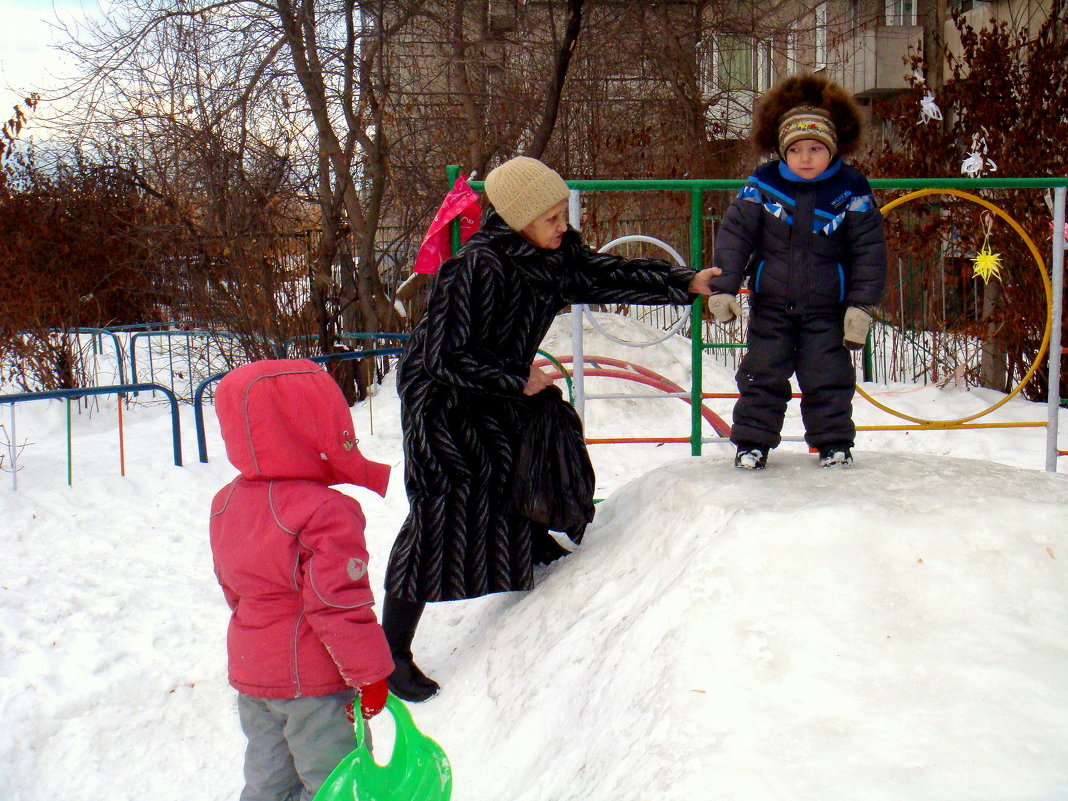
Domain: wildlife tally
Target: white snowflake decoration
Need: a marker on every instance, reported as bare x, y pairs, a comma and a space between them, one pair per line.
977, 162
929, 109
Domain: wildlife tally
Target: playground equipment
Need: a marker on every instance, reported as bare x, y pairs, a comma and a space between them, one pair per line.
670, 330
605, 367
1042, 273
696, 190
1051, 336
198, 394
126, 391
209, 368
75, 394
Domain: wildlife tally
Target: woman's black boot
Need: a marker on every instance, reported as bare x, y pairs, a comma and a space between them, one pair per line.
400, 618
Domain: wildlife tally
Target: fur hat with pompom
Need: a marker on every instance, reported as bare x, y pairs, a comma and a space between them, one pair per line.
812, 96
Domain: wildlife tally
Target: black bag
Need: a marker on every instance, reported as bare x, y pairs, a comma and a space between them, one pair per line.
553, 480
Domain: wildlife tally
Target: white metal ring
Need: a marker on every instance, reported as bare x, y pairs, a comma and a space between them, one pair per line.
675, 327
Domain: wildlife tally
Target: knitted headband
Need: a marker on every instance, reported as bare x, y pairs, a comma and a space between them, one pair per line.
522, 189
807, 122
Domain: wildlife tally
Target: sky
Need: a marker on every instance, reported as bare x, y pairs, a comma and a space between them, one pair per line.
896, 630
27, 60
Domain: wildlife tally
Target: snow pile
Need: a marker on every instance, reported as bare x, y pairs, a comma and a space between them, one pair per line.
894, 631
799, 633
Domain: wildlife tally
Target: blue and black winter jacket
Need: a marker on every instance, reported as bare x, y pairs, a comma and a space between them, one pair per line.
807, 246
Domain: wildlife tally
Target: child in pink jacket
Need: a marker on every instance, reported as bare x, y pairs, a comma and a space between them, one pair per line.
290, 556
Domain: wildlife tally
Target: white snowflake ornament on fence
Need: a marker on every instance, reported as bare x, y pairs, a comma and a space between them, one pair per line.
929, 109
977, 162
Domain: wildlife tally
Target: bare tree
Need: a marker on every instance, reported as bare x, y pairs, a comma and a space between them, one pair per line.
252, 120
231, 107
551, 107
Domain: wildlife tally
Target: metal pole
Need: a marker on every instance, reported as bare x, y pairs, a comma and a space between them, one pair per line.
452, 172
696, 327
70, 455
11, 452
1054, 372
578, 310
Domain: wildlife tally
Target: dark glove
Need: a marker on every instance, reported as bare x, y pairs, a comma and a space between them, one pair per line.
857, 323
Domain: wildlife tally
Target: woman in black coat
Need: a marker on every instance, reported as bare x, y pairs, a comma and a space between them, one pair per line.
465, 380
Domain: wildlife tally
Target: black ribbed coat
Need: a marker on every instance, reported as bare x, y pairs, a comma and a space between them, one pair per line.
461, 382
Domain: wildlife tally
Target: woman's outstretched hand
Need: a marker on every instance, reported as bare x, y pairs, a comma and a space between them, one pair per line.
536, 381
699, 283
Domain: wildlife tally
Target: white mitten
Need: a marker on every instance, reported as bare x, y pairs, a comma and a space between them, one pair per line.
857, 323
724, 307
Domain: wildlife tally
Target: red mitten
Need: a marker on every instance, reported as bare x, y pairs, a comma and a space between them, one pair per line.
373, 698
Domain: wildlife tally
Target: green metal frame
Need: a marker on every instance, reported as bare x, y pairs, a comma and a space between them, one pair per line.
696, 188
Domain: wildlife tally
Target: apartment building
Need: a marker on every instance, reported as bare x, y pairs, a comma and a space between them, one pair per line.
654, 89
865, 45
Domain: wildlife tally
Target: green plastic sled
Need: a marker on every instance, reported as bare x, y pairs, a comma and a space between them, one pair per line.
418, 769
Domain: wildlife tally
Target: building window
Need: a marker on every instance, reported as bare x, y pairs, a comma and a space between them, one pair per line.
900, 12
734, 70
793, 48
706, 75
731, 62
820, 54
764, 66
501, 15
734, 63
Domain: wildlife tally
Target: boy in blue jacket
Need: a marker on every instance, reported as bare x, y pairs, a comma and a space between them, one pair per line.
808, 234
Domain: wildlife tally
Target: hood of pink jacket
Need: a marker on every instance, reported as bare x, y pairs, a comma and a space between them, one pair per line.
287, 418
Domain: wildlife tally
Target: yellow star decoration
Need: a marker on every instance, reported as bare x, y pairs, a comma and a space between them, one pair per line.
986, 263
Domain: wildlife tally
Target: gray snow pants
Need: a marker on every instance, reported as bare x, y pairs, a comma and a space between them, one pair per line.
293, 744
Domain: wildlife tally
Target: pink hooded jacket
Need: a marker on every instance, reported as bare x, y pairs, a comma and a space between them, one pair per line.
289, 551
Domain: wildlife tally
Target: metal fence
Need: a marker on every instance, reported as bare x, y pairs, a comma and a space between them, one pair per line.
897, 350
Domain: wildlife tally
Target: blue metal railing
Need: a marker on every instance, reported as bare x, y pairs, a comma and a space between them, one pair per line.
120, 390
170, 335
101, 332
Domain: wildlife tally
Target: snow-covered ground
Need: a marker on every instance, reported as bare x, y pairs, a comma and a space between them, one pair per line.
894, 631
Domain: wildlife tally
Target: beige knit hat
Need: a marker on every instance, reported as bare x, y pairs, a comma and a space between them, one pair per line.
807, 122
522, 189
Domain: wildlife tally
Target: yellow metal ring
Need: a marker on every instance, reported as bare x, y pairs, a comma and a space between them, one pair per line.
1045, 282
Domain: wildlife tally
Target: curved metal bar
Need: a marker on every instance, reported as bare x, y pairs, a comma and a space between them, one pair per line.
169, 335
356, 335
355, 354
563, 372
118, 348
117, 389
198, 414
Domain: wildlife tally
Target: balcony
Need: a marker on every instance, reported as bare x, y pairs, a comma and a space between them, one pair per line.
873, 61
